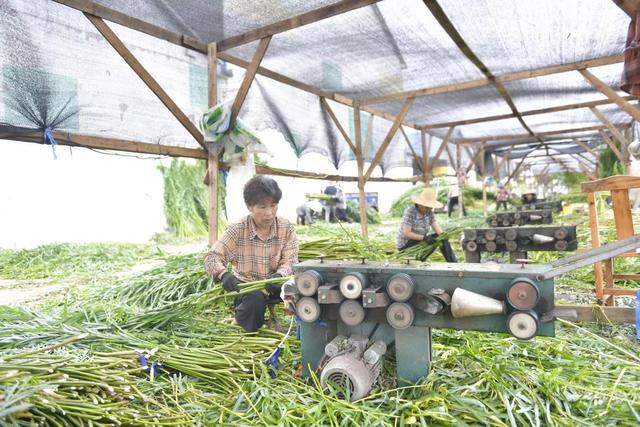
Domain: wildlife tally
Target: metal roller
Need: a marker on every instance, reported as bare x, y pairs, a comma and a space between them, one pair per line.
471, 246
523, 294
506, 222
308, 282
491, 246
490, 234
351, 312
308, 309
523, 324
510, 234
470, 234
352, 284
561, 234
561, 245
511, 245
546, 213
494, 223
400, 315
517, 215
400, 287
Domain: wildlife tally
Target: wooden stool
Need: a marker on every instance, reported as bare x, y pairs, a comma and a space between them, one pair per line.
619, 187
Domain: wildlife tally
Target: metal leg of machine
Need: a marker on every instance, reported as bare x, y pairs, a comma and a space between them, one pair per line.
413, 354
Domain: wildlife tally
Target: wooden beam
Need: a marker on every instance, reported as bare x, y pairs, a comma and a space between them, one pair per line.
387, 140
266, 170
525, 113
445, 141
113, 144
306, 18
415, 155
519, 75
612, 145
630, 7
611, 94
336, 122
585, 146
614, 131
425, 156
248, 79
598, 313
212, 158
102, 143
541, 134
151, 83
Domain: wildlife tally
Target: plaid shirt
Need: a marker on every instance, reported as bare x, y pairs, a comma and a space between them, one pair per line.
419, 224
253, 258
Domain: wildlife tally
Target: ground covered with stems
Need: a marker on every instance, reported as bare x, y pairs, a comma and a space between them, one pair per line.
116, 347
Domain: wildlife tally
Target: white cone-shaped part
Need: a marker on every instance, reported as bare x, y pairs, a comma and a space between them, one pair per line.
541, 239
468, 304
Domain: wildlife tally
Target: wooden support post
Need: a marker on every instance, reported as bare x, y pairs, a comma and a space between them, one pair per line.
413, 152
452, 160
611, 94
460, 179
496, 170
484, 183
369, 139
445, 141
595, 243
425, 156
387, 140
212, 159
473, 161
364, 227
626, 153
335, 120
151, 83
248, 79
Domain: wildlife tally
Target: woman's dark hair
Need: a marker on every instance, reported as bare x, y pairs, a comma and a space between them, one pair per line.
261, 187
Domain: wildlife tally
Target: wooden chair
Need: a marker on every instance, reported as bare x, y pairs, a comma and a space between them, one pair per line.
619, 187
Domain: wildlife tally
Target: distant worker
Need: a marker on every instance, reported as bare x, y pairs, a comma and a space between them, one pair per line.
454, 199
529, 197
303, 213
261, 246
341, 207
416, 222
330, 204
502, 197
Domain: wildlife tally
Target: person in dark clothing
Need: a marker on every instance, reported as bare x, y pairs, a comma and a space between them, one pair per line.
416, 222
260, 246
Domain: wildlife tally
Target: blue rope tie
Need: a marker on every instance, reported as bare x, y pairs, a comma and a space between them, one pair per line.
49, 139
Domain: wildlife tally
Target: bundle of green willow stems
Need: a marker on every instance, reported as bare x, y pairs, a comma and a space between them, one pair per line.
180, 309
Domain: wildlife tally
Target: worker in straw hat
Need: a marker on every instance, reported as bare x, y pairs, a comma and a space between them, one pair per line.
418, 219
529, 197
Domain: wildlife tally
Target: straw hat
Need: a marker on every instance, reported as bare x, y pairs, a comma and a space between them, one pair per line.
427, 198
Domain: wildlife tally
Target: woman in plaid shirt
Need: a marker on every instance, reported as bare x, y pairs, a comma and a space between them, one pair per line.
262, 245
417, 220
